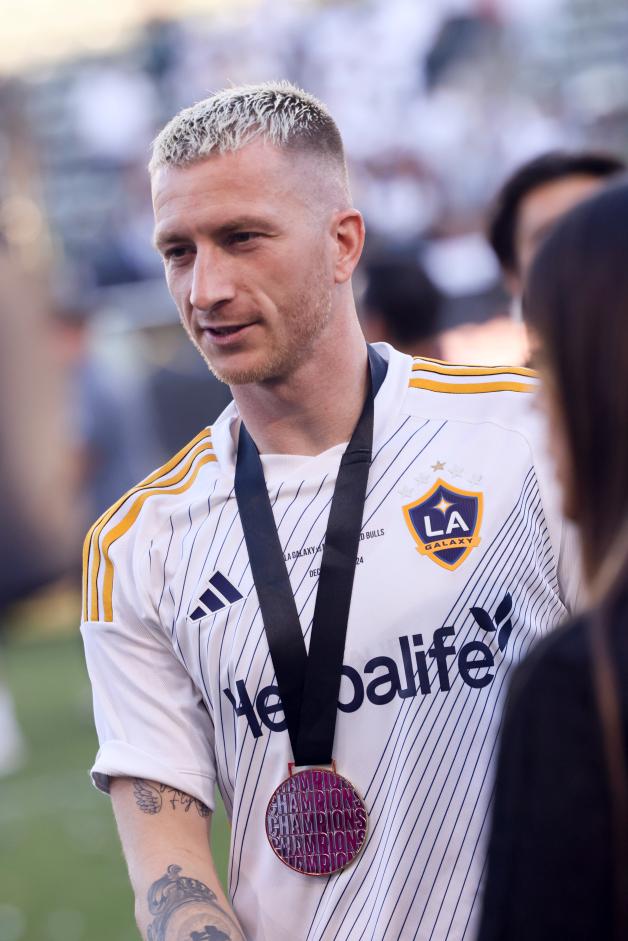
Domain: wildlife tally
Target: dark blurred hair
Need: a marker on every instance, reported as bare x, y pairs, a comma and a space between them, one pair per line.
403, 294
577, 299
555, 165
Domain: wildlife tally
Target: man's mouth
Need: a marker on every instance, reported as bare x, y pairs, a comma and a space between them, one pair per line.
224, 333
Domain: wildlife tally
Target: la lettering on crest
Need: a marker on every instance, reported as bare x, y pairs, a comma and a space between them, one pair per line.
445, 523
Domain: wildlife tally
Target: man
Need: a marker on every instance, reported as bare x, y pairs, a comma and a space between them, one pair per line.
456, 561
533, 199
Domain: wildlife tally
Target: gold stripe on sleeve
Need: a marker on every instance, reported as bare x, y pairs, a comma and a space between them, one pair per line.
125, 524
470, 388
94, 533
450, 370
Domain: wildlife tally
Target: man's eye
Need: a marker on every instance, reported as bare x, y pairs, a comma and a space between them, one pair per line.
241, 238
177, 252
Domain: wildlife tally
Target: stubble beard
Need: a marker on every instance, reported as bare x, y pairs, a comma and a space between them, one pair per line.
304, 322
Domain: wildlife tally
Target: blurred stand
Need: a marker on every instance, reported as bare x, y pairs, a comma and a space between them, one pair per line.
112, 440
476, 328
37, 517
137, 389
37, 511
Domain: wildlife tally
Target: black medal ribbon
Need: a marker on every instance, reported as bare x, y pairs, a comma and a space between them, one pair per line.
309, 684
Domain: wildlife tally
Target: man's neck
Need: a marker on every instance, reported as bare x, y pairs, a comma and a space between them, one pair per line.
316, 407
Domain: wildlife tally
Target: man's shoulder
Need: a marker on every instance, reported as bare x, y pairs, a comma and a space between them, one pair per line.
171, 479
472, 393
139, 512
480, 385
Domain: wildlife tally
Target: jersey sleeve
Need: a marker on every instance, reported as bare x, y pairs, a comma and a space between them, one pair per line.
151, 719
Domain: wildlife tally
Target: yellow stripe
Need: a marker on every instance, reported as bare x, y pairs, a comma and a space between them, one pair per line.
168, 483
445, 370
94, 533
86, 544
125, 524
461, 388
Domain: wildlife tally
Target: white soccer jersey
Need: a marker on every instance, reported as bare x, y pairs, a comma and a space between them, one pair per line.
459, 574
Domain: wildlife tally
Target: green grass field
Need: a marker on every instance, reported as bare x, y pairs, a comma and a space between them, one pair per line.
62, 876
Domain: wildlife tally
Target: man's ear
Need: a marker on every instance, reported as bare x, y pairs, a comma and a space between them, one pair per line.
348, 234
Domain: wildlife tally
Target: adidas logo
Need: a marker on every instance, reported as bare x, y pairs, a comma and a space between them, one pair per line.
221, 594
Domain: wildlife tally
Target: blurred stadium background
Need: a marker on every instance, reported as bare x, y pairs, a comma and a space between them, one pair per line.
437, 101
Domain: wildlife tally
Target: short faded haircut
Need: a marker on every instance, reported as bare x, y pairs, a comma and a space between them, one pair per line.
279, 112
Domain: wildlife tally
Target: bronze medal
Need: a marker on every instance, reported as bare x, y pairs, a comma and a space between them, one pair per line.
316, 822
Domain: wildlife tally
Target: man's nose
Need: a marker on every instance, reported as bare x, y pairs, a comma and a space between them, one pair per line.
212, 280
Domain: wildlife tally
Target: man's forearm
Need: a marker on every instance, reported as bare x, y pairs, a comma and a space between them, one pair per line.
165, 837
180, 907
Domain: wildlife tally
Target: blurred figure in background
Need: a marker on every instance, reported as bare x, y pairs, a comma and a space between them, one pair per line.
37, 523
108, 409
184, 394
12, 746
404, 306
533, 199
401, 306
558, 864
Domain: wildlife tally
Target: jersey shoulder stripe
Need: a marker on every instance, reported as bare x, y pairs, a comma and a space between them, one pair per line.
420, 364
456, 379
182, 469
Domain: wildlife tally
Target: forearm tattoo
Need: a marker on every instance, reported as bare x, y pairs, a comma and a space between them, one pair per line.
150, 798
185, 909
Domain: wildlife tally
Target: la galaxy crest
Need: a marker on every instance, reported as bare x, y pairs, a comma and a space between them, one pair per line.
445, 523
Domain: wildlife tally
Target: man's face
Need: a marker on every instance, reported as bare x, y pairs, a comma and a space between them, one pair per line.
540, 210
249, 259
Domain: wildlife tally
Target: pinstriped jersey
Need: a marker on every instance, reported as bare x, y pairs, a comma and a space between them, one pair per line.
463, 565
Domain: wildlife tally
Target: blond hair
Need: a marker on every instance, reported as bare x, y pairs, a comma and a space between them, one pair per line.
279, 112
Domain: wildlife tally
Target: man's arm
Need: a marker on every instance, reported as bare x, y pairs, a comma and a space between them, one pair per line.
165, 836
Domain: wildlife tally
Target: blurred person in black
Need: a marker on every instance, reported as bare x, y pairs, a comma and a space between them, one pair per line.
401, 306
533, 199
558, 860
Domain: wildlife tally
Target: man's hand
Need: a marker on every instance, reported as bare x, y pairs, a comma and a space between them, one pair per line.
165, 837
